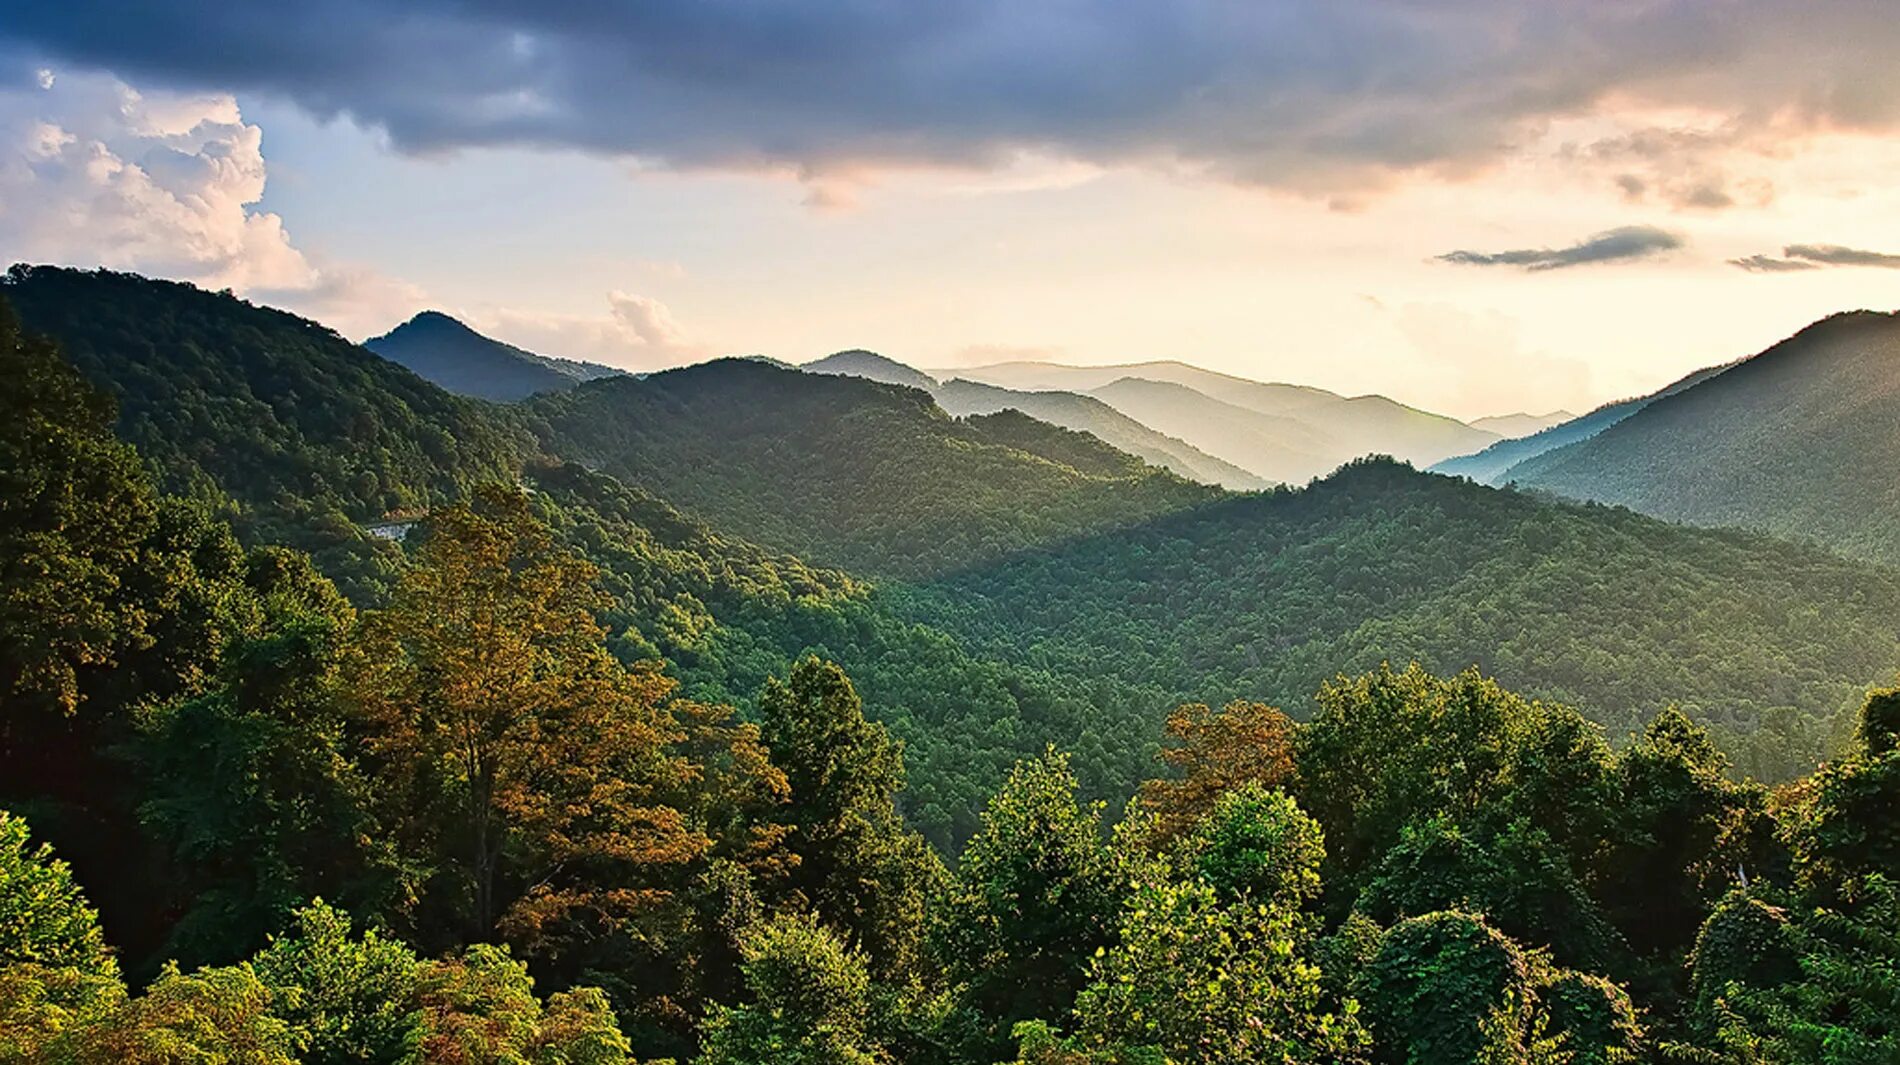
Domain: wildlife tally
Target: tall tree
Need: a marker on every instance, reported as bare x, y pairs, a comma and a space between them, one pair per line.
507, 741
859, 867
1036, 894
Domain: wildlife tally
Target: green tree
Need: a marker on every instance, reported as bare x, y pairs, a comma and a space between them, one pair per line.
1448, 989
859, 868
481, 1007
1682, 836
1036, 894
1206, 981
55, 969
256, 787
1257, 846
345, 998
810, 1001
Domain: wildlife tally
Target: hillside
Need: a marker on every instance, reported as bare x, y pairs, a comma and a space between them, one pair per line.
1349, 427
1512, 426
277, 411
1491, 465
841, 470
1264, 597
1795, 441
1091, 415
449, 353
874, 367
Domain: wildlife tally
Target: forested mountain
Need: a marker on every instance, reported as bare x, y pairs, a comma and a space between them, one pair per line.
1091, 415
1355, 426
1793, 441
465, 362
1512, 426
846, 471
583, 781
870, 365
1492, 465
288, 417
1267, 596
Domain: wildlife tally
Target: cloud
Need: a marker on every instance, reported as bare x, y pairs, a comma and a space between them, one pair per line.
1797, 257
96, 173
1768, 264
1324, 98
637, 333
1622, 244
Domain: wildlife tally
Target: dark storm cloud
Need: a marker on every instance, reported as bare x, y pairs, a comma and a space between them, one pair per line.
1815, 256
1315, 95
1616, 245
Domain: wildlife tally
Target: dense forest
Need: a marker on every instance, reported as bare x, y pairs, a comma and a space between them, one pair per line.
1270, 595
570, 775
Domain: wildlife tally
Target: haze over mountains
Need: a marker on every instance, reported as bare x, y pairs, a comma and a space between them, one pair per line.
1023, 558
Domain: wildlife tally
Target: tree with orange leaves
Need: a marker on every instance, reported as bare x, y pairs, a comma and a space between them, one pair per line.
1215, 752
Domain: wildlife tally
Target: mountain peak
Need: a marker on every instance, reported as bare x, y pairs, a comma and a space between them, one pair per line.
857, 362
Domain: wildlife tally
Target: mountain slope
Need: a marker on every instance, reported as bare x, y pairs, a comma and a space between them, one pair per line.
1489, 466
842, 470
1798, 441
449, 353
870, 365
282, 413
1090, 415
1355, 426
1266, 596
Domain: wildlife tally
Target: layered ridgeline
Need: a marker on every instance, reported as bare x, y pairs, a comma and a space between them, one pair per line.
1091, 592
465, 362
1267, 596
851, 472
1494, 464
1798, 441
1520, 424
1282, 432
1069, 410
312, 441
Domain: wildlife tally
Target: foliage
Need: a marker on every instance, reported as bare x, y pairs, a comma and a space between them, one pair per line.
1447, 987
1257, 846
859, 867
1268, 596
1036, 894
1214, 752
810, 1002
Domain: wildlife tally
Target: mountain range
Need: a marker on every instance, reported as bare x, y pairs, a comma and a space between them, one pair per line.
1027, 583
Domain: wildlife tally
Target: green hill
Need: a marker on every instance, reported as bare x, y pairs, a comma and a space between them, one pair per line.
465, 362
1264, 597
277, 411
845, 471
1797, 441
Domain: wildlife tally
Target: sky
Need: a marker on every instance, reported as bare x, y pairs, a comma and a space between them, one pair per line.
1473, 206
